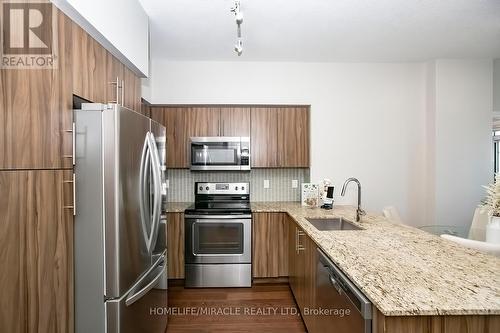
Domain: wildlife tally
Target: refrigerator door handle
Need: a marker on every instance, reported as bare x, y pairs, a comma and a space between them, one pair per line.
135, 296
143, 181
156, 167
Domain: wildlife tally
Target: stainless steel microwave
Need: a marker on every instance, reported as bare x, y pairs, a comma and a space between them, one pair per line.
220, 153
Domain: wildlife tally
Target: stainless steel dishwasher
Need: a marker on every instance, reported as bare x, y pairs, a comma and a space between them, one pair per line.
345, 308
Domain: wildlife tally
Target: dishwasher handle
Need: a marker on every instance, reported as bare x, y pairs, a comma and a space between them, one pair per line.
335, 284
344, 286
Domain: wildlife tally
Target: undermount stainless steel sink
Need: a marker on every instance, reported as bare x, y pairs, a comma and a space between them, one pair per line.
337, 223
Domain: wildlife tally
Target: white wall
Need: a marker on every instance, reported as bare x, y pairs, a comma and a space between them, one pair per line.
367, 120
496, 85
121, 26
463, 104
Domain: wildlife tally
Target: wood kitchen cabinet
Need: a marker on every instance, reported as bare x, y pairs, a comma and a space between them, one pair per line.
270, 245
89, 67
131, 90
96, 70
174, 119
36, 108
36, 233
175, 245
37, 104
302, 259
293, 137
234, 121
264, 137
435, 324
280, 137
202, 121
218, 121
115, 70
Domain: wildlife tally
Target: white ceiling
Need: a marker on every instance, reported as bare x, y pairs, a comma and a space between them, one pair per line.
326, 30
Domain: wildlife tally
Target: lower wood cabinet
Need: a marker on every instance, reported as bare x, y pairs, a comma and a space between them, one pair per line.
36, 233
435, 324
175, 245
302, 259
270, 245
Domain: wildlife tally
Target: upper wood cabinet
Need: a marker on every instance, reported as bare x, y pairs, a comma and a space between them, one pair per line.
293, 137
203, 121
131, 90
218, 121
114, 72
175, 121
280, 137
96, 71
36, 233
264, 137
270, 245
36, 105
89, 67
36, 108
234, 121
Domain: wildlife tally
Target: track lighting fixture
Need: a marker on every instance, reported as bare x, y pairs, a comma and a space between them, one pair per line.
238, 15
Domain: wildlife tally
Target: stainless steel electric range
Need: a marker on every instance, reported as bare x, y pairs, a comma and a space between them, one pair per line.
218, 231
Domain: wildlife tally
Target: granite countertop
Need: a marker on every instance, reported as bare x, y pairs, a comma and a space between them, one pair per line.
404, 271
177, 207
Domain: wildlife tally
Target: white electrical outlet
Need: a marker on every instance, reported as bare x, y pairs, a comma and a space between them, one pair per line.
167, 183
266, 183
295, 183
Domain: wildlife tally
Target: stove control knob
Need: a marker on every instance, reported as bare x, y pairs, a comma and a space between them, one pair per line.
243, 188
207, 188
236, 188
201, 188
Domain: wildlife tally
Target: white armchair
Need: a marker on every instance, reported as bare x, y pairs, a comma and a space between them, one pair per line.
490, 248
477, 236
477, 229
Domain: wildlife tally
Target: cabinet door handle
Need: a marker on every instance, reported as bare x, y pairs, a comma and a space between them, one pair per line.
73, 143
123, 92
73, 182
298, 246
117, 90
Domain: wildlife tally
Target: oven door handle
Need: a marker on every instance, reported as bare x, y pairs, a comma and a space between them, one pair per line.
219, 217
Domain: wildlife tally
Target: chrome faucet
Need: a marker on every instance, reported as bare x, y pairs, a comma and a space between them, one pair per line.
359, 211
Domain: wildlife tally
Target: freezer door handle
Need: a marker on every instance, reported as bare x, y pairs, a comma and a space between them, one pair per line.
135, 296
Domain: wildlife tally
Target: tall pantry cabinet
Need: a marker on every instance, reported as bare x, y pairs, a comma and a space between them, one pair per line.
36, 197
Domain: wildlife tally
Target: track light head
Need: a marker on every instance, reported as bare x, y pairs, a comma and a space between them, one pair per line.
238, 47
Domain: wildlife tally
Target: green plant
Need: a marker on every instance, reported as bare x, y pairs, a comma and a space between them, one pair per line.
492, 201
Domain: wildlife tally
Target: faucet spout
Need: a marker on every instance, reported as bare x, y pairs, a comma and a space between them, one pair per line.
359, 212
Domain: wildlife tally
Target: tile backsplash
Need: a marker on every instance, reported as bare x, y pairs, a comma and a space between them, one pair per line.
181, 183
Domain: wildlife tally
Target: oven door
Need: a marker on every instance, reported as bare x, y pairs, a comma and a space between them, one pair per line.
216, 153
218, 239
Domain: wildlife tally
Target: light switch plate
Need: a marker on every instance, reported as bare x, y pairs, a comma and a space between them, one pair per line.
266, 183
295, 183
167, 183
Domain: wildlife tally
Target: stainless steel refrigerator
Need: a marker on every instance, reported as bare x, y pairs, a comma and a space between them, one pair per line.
120, 226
